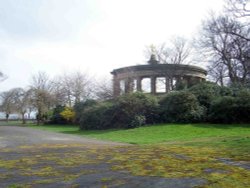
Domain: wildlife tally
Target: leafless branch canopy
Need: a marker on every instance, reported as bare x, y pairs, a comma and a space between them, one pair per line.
177, 51
225, 43
2, 77
239, 8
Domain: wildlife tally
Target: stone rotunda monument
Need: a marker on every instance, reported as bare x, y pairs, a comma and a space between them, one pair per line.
133, 78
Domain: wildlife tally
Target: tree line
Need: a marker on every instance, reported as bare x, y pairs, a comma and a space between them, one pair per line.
44, 94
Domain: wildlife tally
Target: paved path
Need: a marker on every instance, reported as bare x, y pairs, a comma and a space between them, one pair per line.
36, 158
14, 136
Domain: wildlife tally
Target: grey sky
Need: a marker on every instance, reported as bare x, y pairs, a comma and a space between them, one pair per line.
94, 36
45, 19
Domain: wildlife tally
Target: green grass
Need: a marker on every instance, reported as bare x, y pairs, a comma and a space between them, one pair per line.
15, 122
68, 129
163, 133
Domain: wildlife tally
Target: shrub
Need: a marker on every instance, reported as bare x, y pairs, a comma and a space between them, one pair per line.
180, 85
98, 116
243, 106
56, 117
127, 111
229, 109
180, 106
222, 110
133, 105
207, 91
80, 106
68, 114
138, 121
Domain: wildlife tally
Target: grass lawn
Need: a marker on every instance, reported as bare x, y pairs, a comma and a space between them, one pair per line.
169, 133
15, 122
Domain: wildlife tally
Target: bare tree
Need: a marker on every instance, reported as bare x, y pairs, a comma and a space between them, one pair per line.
104, 90
73, 88
41, 96
41, 81
177, 51
239, 8
224, 50
22, 102
2, 77
7, 103
218, 73
16, 100
58, 91
81, 86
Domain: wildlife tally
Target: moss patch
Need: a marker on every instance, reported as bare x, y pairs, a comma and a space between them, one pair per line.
194, 162
48, 164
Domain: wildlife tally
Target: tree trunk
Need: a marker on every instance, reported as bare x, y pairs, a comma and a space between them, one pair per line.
23, 119
38, 117
7, 118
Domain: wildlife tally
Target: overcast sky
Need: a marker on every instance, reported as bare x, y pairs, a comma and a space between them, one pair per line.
94, 36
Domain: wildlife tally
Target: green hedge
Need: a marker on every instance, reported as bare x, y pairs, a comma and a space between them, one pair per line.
133, 105
180, 106
98, 116
127, 111
205, 102
206, 92
231, 109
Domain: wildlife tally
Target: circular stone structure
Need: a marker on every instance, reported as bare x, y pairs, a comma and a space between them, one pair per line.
173, 74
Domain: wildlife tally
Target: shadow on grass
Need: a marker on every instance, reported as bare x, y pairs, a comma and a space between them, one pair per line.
221, 126
205, 126
90, 132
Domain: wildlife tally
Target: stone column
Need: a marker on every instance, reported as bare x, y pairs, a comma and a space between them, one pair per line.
116, 86
197, 80
178, 79
153, 85
188, 80
138, 84
167, 85
128, 85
